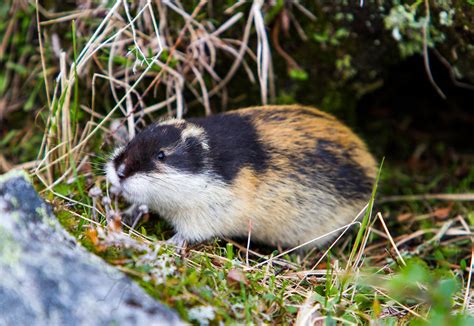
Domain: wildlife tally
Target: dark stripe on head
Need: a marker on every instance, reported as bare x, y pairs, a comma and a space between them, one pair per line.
189, 157
233, 144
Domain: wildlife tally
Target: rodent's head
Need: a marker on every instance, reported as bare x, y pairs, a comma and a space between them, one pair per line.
158, 162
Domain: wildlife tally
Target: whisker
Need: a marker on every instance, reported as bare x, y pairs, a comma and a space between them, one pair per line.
95, 164
165, 184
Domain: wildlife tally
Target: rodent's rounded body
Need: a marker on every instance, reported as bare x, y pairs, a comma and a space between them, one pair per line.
287, 174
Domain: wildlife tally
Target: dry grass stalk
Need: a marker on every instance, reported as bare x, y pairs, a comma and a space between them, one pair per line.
422, 197
379, 215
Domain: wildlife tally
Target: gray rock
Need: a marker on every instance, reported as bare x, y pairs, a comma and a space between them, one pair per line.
46, 278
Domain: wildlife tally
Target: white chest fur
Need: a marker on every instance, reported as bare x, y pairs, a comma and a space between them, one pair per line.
198, 206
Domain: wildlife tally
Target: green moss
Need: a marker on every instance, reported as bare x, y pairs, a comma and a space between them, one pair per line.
68, 221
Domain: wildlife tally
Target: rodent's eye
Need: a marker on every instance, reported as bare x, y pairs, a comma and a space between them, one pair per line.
161, 155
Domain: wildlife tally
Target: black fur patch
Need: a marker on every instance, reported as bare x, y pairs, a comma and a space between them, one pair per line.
328, 169
234, 144
189, 157
142, 151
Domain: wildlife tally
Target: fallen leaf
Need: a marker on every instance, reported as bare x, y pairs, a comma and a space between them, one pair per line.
91, 233
217, 262
442, 212
236, 277
404, 217
116, 223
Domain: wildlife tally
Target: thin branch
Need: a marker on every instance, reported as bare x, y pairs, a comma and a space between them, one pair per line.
425, 31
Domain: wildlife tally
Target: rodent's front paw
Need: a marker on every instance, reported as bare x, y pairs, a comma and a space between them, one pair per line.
131, 212
177, 241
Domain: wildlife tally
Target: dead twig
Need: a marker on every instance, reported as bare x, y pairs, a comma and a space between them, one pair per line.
422, 197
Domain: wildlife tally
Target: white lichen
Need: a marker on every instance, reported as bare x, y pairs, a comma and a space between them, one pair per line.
10, 250
407, 24
202, 314
396, 34
446, 17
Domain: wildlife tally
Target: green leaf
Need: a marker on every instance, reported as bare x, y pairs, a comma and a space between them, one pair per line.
230, 251
291, 309
269, 297
321, 37
463, 264
298, 74
21, 70
3, 83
